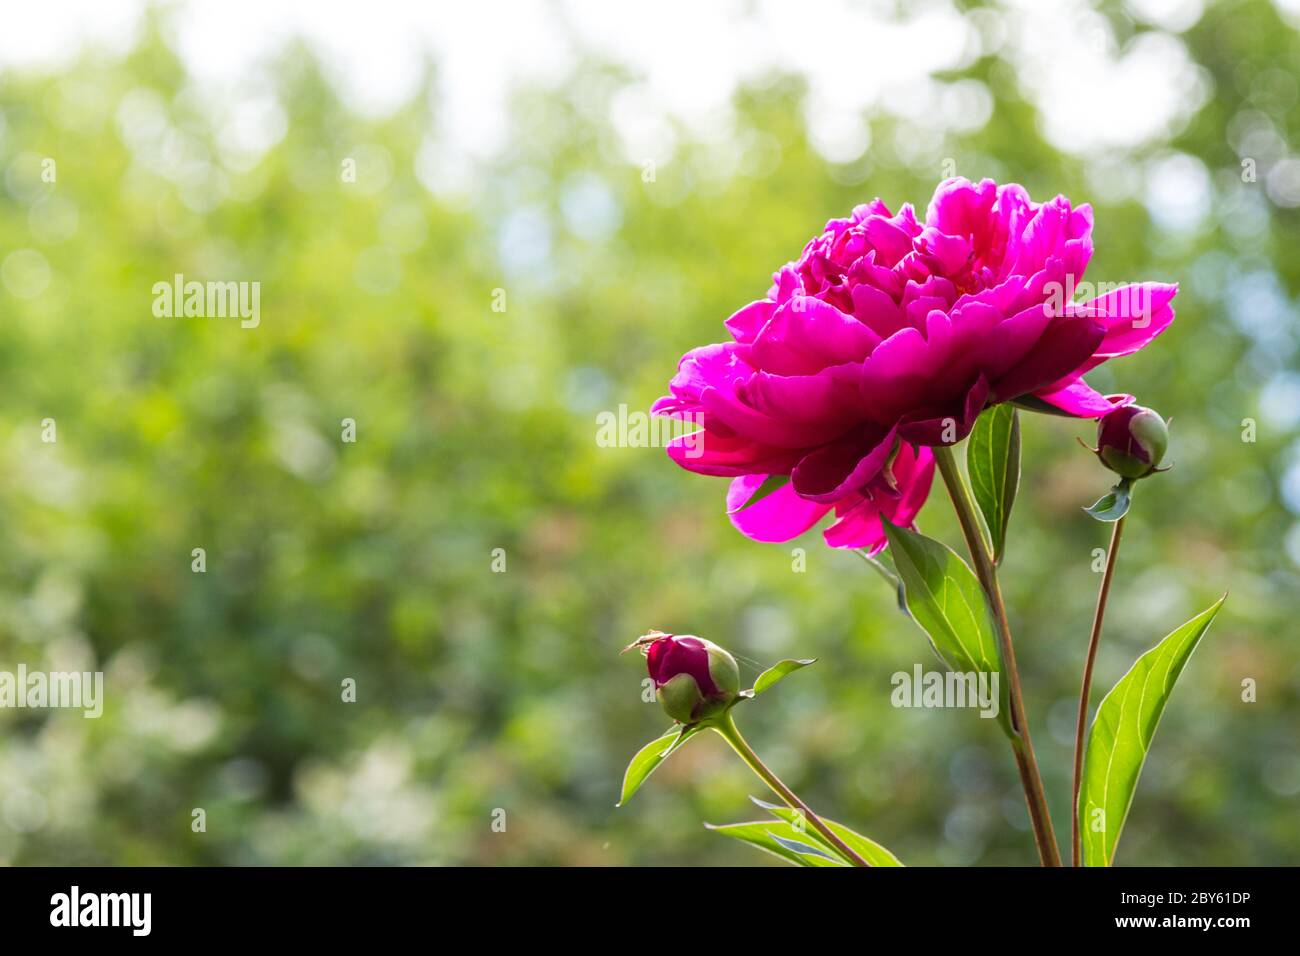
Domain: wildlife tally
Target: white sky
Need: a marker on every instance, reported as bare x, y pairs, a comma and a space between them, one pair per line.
691, 52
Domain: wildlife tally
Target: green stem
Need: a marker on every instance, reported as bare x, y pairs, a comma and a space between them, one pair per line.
727, 728
1076, 848
1026, 764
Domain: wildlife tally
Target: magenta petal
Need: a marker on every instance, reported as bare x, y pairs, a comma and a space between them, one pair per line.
709, 366
806, 335
891, 242
919, 310
670, 656
780, 516
859, 521
732, 412
914, 471
832, 471
960, 207
918, 375
1043, 234
877, 310
670, 406
742, 489
785, 284
707, 452
1012, 340
949, 426
1065, 345
746, 323
1133, 316
1077, 398
897, 375
858, 527
943, 253
817, 408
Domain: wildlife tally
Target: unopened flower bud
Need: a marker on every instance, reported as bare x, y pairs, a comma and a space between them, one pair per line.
1131, 440
694, 678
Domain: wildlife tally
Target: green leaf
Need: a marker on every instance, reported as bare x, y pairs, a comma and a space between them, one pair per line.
780, 839
993, 462
778, 671
651, 756
868, 849
1121, 736
1114, 504
946, 600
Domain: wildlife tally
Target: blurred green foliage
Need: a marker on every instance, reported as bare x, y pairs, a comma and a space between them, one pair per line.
373, 560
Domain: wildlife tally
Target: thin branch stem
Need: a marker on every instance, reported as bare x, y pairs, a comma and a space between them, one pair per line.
727, 728
1026, 764
1076, 848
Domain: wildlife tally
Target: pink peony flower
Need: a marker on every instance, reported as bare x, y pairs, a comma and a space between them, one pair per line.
889, 335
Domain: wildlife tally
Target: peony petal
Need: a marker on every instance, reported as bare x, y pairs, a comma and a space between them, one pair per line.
746, 323
1012, 340
707, 452
1133, 316
945, 255
890, 241
842, 466
914, 472
710, 366
960, 207
1061, 349
897, 374
946, 426
817, 408
1048, 235
859, 520
858, 527
796, 411
877, 310
780, 516
919, 310
670, 406
806, 335
1077, 398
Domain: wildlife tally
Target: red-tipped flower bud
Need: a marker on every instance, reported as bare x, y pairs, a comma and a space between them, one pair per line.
1131, 440
694, 678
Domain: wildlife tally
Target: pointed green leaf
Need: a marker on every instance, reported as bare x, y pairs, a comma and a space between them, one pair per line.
780, 839
946, 600
1114, 504
993, 462
1121, 736
778, 671
651, 756
868, 849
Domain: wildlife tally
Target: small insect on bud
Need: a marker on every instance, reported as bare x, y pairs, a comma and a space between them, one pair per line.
1131, 441
694, 679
